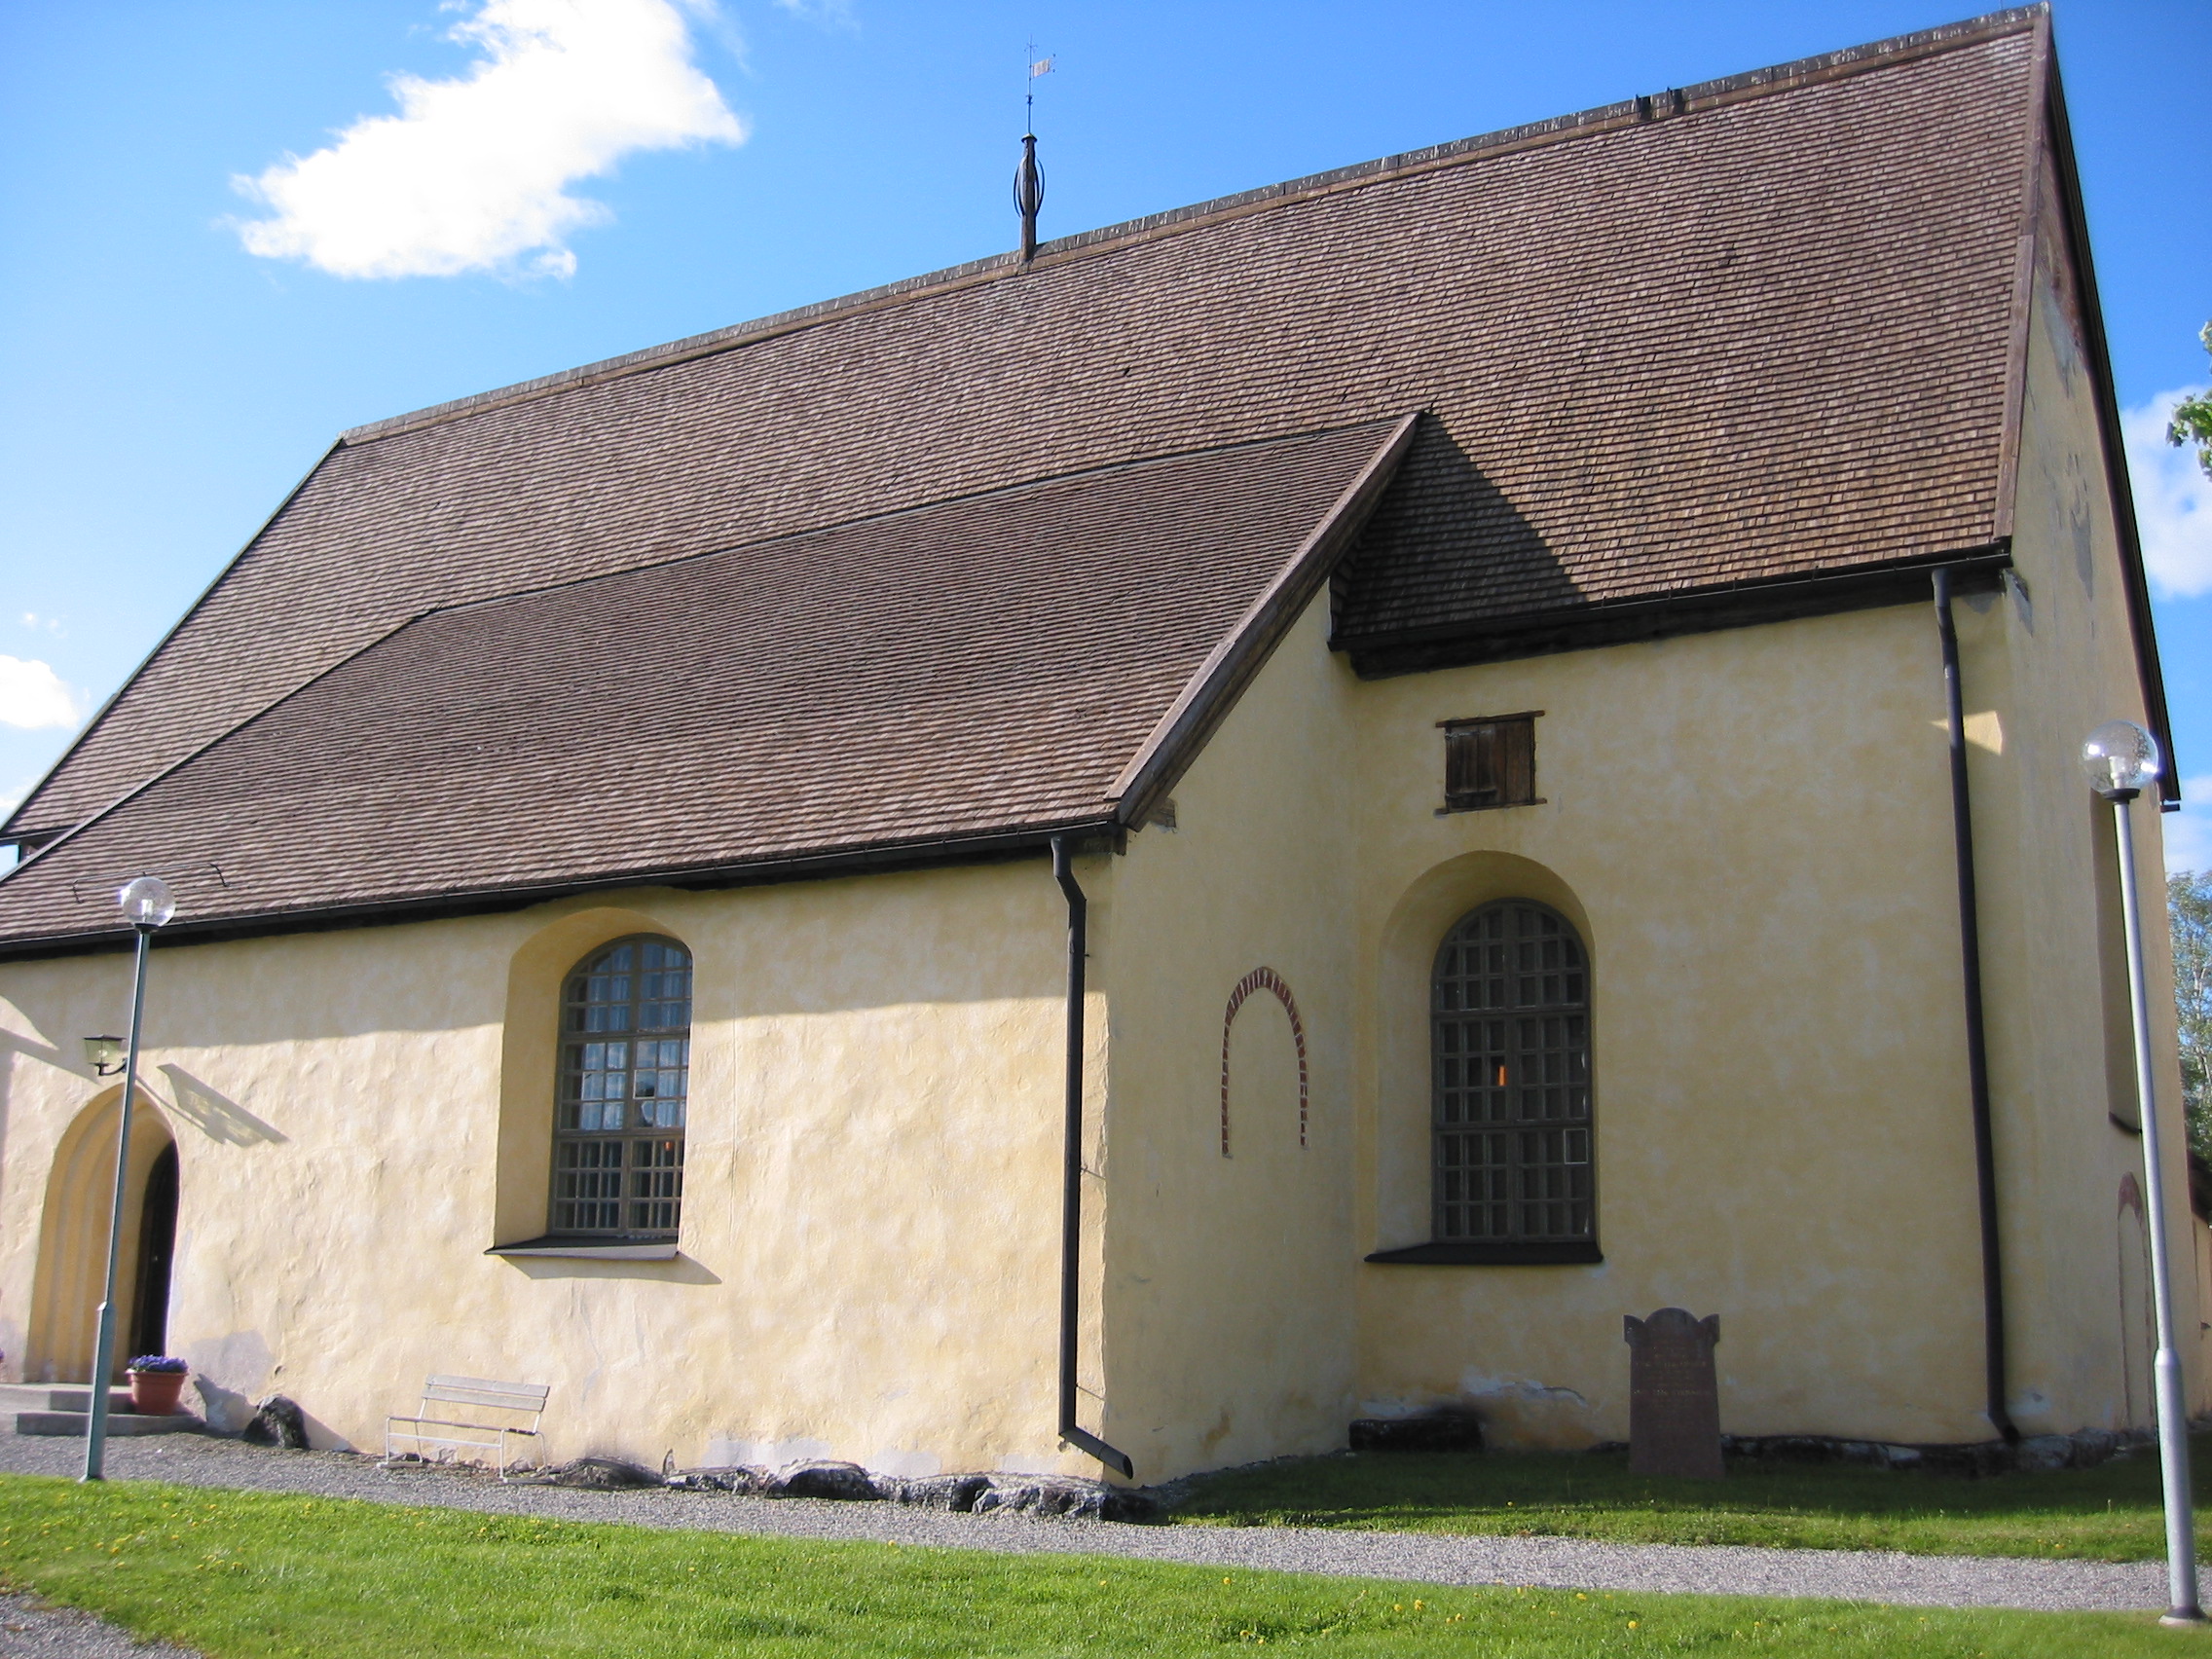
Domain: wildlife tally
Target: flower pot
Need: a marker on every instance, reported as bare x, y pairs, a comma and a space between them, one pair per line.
153, 1393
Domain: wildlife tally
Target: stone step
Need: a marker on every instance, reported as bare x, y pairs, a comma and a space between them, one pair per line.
57, 1397
76, 1423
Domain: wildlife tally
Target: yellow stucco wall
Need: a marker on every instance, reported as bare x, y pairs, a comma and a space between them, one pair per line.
1757, 827
1752, 830
1760, 863
870, 1242
1230, 1328
2052, 658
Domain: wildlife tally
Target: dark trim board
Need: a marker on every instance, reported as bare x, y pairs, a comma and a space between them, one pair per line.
1572, 1252
1704, 611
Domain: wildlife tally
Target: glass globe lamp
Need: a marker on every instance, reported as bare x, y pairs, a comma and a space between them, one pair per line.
2121, 758
146, 903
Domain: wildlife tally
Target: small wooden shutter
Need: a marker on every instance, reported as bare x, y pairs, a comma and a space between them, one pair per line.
1490, 762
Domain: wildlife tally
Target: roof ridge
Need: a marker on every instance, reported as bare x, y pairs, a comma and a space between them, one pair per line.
1778, 77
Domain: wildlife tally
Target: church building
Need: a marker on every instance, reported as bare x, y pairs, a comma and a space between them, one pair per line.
1118, 859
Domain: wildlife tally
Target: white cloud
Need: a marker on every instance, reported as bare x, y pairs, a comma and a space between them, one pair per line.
32, 696
836, 13
473, 173
2173, 500
2189, 831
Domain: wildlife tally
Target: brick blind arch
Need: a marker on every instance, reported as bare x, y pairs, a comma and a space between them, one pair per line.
1262, 980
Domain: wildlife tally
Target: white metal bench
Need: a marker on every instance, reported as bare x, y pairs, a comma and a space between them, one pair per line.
453, 1418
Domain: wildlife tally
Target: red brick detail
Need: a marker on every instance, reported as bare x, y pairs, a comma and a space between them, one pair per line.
1259, 980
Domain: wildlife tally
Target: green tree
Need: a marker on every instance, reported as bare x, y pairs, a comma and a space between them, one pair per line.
2189, 907
2191, 422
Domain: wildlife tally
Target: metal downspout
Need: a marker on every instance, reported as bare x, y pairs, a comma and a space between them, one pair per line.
1977, 1039
1070, 1182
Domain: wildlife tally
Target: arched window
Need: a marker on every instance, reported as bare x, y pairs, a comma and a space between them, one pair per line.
1509, 1019
625, 1076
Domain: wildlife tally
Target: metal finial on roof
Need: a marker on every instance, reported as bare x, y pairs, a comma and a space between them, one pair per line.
1029, 178
1028, 195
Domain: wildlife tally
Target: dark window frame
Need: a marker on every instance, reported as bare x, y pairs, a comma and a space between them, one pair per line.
1490, 762
1512, 1092
623, 1093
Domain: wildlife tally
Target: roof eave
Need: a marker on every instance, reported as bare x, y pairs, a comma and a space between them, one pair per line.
980, 847
14, 831
2106, 395
1704, 609
2012, 433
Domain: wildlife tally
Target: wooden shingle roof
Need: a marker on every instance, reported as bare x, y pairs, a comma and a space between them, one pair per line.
975, 672
1755, 331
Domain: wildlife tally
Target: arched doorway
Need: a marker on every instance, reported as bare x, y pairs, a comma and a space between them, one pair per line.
72, 1254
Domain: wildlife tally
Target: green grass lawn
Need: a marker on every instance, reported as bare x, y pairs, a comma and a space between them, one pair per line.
2110, 1513
239, 1574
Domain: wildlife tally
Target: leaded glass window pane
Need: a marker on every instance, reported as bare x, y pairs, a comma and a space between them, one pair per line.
625, 1082
1509, 1021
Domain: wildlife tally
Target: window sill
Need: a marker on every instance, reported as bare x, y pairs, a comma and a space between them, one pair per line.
1571, 1252
632, 1250
1449, 807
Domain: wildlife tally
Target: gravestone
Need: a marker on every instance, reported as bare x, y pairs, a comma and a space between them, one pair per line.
1673, 1402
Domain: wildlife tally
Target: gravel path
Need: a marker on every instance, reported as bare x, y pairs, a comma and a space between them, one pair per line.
1568, 1564
30, 1629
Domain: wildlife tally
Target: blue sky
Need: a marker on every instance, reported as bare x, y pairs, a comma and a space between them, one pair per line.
177, 350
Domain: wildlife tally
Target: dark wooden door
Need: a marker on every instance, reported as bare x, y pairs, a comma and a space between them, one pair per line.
157, 1245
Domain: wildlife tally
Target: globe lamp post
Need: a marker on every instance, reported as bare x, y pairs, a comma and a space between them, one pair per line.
145, 905
2122, 758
